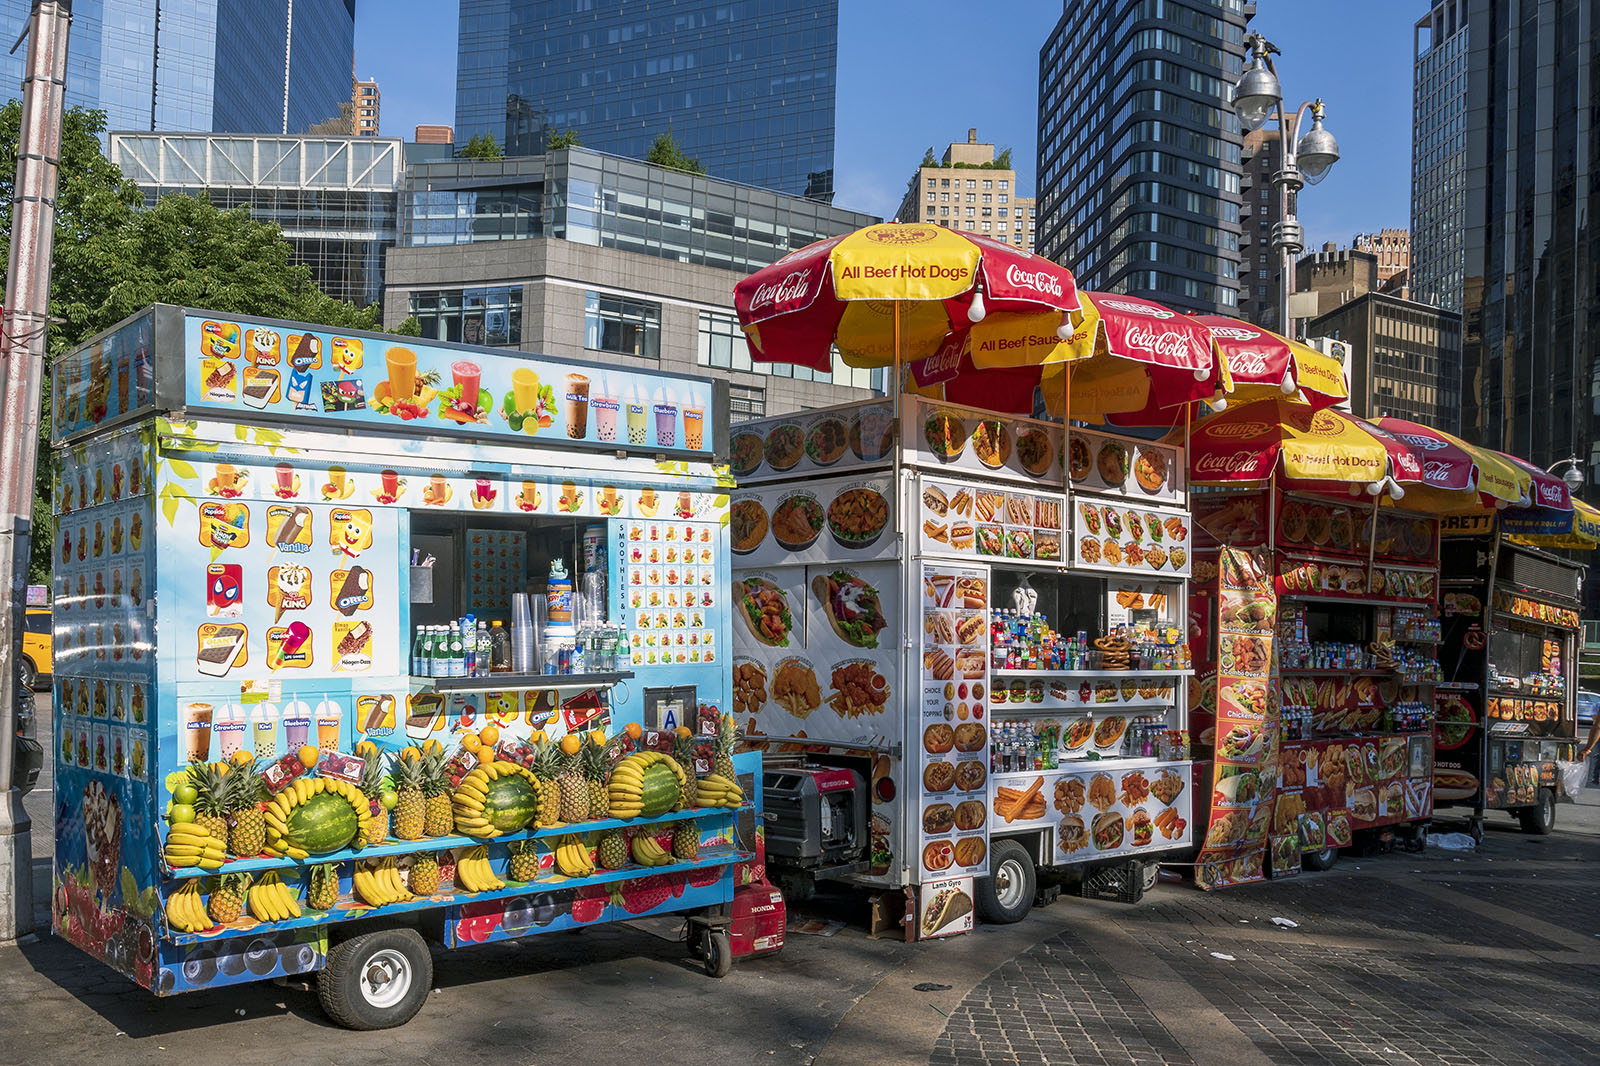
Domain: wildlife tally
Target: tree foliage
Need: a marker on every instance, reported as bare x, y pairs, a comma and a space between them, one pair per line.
558, 140
482, 146
929, 159
665, 152
410, 326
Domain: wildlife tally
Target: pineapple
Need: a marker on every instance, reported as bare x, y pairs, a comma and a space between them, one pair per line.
210, 806
243, 792
324, 891
723, 762
372, 787
574, 788
524, 861
424, 873
612, 853
439, 818
547, 770
683, 752
227, 899
595, 771
686, 841
410, 812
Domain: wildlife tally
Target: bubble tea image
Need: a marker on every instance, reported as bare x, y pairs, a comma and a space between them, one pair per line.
330, 719
577, 406
197, 731
638, 422
694, 427
264, 720
667, 424
605, 417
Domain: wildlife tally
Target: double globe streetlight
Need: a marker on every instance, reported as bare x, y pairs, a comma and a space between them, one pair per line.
1257, 99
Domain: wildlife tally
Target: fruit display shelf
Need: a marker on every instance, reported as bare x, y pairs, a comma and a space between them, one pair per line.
454, 840
519, 682
353, 909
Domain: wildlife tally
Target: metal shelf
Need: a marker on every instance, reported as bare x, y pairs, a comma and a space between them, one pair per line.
1093, 675
502, 682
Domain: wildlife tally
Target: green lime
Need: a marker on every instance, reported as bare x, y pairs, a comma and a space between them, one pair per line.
180, 814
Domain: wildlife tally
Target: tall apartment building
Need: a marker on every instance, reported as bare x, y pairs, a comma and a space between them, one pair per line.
1391, 250
1439, 153
434, 135
747, 90
366, 101
225, 66
968, 190
1260, 267
1139, 150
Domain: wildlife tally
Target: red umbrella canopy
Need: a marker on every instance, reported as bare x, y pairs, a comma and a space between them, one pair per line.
1260, 362
890, 292
1548, 490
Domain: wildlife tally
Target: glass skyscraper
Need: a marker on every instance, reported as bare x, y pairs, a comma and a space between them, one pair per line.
1139, 149
224, 66
746, 87
1438, 154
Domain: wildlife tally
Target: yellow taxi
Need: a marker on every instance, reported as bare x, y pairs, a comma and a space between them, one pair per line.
35, 645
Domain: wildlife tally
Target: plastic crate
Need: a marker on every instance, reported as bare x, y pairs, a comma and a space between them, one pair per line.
1121, 882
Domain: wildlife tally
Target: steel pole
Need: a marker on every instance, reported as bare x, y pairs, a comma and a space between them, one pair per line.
22, 348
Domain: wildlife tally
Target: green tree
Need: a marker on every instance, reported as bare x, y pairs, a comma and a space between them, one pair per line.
110, 259
664, 152
929, 159
410, 326
1003, 160
482, 146
556, 141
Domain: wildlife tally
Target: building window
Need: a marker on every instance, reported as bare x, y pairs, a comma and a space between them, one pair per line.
972, 197
944, 183
1004, 198
1005, 184
944, 197
987, 183
969, 224
988, 197
746, 402
932, 196
986, 227
987, 212
488, 316
971, 212
944, 210
1003, 211
930, 183
622, 326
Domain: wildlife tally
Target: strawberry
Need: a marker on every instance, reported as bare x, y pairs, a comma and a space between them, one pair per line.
705, 876
647, 893
589, 904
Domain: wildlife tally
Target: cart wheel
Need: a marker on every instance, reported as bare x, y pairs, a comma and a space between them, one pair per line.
376, 980
1006, 895
696, 940
718, 952
1321, 860
1540, 819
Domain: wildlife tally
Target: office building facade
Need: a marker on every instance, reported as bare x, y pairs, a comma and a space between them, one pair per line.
1260, 265
968, 190
1391, 253
367, 101
226, 66
1439, 153
746, 90
1139, 150
1401, 355
577, 253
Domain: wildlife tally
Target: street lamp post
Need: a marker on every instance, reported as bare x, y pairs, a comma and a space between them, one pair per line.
1304, 160
1572, 475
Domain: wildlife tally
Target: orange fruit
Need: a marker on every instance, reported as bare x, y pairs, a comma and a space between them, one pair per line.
309, 754
570, 744
685, 731
411, 753
538, 736
431, 746
471, 742
598, 738
634, 731
242, 758
489, 734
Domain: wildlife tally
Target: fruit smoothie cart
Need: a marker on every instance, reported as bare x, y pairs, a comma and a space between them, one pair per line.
353, 629
982, 616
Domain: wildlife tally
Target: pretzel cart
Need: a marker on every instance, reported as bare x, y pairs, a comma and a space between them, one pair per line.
315, 691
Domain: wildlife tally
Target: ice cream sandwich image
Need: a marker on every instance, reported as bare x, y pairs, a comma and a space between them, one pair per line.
221, 648
352, 590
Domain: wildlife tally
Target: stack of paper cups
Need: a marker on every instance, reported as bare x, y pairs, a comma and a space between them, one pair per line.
524, 636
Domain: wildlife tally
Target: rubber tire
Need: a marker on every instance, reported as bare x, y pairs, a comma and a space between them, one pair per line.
1320, 860
28, 674
719, 953
1540, 819
338, 985
1009, 854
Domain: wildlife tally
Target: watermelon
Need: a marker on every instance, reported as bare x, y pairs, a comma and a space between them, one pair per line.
660, 793
324, 823
513, 801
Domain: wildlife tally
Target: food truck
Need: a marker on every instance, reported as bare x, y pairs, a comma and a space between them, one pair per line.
1507, 711
312, 583
980, 620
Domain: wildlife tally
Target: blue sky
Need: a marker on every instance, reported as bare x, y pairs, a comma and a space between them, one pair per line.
909, 76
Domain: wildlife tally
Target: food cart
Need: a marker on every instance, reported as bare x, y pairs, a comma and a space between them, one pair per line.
983, 616
1506, 711
263, 530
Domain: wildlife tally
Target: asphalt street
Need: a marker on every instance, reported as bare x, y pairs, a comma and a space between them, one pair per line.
1487, 957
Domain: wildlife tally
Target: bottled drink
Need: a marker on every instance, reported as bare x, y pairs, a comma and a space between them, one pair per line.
580, 653
418, 649
469, 650
485, 651
439, 654
452, 651
500, 648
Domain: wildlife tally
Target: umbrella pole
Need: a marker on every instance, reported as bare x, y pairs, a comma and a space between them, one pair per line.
1372, 541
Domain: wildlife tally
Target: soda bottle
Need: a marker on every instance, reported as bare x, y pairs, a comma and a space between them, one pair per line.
485, 651
418, 650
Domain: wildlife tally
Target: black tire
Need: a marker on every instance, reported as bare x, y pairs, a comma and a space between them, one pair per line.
1006, 895
346, 989
719, 953
1539, 819
28, 674
1320, 860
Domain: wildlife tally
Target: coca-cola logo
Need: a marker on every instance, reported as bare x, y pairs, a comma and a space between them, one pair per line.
1235, 463
1551, 494
1168, 344
1128, 306
1040, 281
1407, 464
892, 233
1248, 364
790, 287
1436, 472
1234, 333
1427, 444
1236, 430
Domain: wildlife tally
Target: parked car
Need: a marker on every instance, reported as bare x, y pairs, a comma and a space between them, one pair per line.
1588, 704
36, 646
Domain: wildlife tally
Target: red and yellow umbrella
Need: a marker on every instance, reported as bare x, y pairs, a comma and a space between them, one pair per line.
1545, 489
1265, 365
891, 294
1457, 476
1253, 442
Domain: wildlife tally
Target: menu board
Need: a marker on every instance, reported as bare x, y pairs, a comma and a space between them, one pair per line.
981, 442
1329, 788
817, 521
104, 380
1097, 814
669, 591
1102, 463
1107, 694
1238, 519
1245, 772
1346, 529
944, 908
978, 520
952, 731
830, 440
1305, 577
497, 566
1121, 539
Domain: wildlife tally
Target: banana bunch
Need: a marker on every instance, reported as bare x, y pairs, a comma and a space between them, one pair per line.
474, 873
271, 900
646, 852
188, 844
573, 860
277, 813
714, 790
185, 910
626, 788
379, 885
469, 796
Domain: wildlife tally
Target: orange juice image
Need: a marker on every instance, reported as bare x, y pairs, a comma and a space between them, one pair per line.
402, 372
525, 389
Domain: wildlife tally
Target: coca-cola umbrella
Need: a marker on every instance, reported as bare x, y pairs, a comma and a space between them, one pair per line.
1549, 527
892, 293
1276, 440
1265, 365
1457, 476
1545, 489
